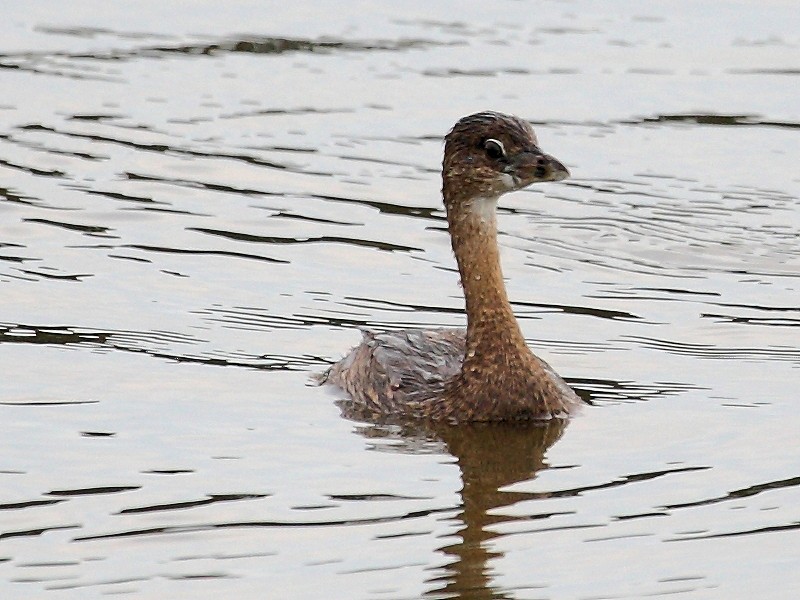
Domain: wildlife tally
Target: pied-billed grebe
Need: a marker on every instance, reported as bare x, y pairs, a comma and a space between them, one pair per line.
486, 373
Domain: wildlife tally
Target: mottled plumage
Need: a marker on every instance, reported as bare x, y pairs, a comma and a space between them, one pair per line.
486, 373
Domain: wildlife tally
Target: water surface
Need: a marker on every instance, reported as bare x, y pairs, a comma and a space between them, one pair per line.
199, 207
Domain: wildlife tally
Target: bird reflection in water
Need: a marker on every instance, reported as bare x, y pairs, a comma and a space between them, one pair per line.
490, 456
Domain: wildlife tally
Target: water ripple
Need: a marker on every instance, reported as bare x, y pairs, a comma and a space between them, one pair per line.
747, 492
718, 351
715, 119
211, 499
158, 344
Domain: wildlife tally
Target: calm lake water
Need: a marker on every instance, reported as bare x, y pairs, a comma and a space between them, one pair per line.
200, 203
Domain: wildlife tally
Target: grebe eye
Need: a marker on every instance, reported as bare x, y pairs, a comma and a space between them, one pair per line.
494, 149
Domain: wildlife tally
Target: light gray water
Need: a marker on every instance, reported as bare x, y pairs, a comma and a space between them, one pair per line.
201, 202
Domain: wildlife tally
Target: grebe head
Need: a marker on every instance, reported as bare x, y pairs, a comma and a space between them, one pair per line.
488, 154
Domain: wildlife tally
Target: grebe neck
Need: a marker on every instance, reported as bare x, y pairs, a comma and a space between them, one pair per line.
492, 328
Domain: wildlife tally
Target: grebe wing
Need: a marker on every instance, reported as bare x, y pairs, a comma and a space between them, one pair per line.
395, 369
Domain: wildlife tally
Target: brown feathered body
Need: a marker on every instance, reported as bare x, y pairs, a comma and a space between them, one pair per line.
486, 373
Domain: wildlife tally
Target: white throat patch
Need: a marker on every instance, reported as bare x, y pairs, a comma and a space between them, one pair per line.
508, 181
484, 208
